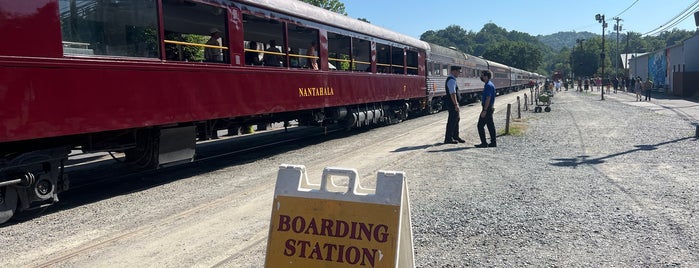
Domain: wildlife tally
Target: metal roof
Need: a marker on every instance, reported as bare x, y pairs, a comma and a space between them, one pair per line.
317, 14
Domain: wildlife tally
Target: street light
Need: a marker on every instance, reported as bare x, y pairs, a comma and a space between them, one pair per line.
600, 19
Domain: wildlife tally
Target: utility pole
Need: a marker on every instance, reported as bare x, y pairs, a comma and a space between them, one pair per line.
626, 59
600, 19
617, 28
580, 42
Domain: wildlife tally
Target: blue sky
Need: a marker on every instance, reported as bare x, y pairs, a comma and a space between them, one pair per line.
414, 17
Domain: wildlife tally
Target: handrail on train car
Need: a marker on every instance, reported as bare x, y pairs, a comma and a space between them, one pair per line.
193, 44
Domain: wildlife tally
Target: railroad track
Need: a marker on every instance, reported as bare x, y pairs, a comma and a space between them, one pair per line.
81, 169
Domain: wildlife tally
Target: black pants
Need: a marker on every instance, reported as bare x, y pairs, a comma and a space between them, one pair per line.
487, 121
648, 94
452, 131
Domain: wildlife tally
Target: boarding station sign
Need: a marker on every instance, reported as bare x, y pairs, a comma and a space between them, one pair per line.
326, 225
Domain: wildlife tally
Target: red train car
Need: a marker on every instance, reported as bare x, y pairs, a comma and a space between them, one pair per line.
149, 78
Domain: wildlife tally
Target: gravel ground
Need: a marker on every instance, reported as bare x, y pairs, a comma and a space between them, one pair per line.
590, 184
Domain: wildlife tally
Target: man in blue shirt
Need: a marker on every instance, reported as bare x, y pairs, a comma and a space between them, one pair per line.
451, 101
486, 117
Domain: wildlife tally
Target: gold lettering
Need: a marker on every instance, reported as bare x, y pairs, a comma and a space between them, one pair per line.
316, 91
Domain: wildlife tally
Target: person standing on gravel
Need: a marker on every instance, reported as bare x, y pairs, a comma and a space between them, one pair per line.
647, 87
451, 101
486, 117
637, 88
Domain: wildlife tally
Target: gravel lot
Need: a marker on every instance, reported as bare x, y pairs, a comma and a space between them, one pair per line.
592, 183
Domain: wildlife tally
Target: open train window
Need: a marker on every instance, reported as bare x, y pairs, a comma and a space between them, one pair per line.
411, 62
397, 60
361, 55
194, 32
339, 52
303, 47
383, 58
268, 34
109, 28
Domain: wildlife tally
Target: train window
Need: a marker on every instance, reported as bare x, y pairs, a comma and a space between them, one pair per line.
397, 60
109, 28
361, 55
268, 36
253, 52
303, 44
411, 62
383, 58
194, 32
436, 69
445, 70
339, 52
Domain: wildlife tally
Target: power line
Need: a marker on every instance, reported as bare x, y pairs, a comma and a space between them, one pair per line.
676, 20
622, 12
617, 15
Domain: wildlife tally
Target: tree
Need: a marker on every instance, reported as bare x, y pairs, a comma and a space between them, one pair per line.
674, 37
332, 5
516, 54
452, 36
513, 48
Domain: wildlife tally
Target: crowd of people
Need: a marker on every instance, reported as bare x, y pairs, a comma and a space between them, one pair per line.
637, 85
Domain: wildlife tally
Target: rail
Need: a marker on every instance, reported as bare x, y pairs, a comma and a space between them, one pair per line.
193, 44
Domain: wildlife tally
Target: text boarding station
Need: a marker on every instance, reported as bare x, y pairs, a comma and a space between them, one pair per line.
329, 225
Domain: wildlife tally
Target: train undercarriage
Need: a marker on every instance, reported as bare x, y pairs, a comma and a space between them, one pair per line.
32, 173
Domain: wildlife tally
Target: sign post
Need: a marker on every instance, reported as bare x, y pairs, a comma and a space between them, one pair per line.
326, 225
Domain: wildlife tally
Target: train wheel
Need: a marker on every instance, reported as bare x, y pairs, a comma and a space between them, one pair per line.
8, 203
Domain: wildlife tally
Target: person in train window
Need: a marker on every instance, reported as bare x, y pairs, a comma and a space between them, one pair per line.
486, 116
272, 59
214, 54
312, 53
451, 101
252, 57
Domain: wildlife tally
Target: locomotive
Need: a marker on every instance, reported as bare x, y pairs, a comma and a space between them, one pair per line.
137, 77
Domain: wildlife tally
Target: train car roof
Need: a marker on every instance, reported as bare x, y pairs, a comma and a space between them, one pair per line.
455, 54
317, 14
497, 64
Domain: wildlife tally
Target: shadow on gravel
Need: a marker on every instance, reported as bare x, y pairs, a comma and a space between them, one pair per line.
586, 160
412, 148
453, 149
